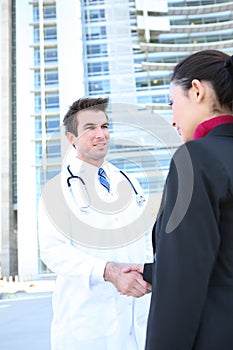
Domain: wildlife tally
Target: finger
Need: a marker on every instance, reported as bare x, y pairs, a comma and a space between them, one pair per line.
128, 285
144, 286
140, 268
138, 288
131, 267
137, 292
132, 284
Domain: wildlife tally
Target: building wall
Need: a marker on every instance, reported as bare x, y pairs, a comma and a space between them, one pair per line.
49, 78
107, 26
8, 219
194, 26
26, 177
70, 53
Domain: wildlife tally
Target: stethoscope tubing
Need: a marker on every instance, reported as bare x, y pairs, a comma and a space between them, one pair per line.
72, 176
139, 198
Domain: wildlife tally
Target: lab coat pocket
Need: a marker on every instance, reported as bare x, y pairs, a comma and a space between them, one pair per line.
93, 313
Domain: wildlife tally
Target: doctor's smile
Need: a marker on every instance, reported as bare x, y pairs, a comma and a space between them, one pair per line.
100, 145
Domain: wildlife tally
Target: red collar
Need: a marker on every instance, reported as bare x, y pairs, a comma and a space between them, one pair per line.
204, 128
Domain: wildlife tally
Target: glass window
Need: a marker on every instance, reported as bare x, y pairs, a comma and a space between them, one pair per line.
51, 172
160, 99
36, 57
102, 86
96, 33
43, 175
52, 101
50, 33
36, 79
52, 124
36, 35
53, 149
94, 15
97, 68
144, 99
50, 55
36, 14
51, 77
142, 82
93, 2
37, 104
38, 152
97, 50
49, 11
38, 127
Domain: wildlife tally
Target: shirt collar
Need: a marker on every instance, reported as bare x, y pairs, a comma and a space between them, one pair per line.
205, 127
79, 167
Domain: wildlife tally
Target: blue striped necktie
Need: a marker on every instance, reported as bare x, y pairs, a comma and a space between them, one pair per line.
103, 179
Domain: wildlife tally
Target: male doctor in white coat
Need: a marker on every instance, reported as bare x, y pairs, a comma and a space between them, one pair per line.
88, 233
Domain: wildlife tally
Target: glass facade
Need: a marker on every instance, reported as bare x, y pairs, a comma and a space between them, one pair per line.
193, 26
102, 27
46, 90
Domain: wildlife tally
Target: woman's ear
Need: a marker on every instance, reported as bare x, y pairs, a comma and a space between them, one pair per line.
198, 89
72, 139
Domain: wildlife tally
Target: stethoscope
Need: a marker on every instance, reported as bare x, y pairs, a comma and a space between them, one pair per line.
140, 200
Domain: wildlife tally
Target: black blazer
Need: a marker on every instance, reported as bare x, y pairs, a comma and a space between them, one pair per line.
192, 296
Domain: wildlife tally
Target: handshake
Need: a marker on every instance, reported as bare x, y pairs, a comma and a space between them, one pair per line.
127, 278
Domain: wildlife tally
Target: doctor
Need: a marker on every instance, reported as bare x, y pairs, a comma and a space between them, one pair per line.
89, 223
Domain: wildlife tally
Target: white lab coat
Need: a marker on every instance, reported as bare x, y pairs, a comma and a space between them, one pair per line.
88, 312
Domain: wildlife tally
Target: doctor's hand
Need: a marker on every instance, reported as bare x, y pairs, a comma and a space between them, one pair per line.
133, 267
126, 280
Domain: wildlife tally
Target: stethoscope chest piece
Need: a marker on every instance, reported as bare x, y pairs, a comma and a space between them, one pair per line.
140, 200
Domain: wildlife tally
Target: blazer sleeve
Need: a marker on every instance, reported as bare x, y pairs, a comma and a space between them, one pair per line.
187, 241
147, 272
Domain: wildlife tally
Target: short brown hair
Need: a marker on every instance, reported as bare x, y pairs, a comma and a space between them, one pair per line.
97, 104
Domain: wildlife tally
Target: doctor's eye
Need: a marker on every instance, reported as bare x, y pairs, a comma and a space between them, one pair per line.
105, 126
89, 127
170, 103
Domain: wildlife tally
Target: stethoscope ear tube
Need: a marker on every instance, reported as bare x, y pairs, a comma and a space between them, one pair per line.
84, 209
72, 176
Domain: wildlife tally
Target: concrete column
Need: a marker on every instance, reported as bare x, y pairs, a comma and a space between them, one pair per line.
8, 226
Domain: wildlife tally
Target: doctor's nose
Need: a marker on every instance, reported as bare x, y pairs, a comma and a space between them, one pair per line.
99, 133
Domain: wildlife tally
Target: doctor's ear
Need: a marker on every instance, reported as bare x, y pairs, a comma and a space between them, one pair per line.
72, 138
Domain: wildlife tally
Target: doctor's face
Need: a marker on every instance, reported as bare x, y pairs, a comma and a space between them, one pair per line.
93, 137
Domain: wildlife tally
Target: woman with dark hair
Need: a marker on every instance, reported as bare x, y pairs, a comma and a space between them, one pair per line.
192, 277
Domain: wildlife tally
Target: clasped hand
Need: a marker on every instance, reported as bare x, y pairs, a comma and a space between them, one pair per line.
127, 278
